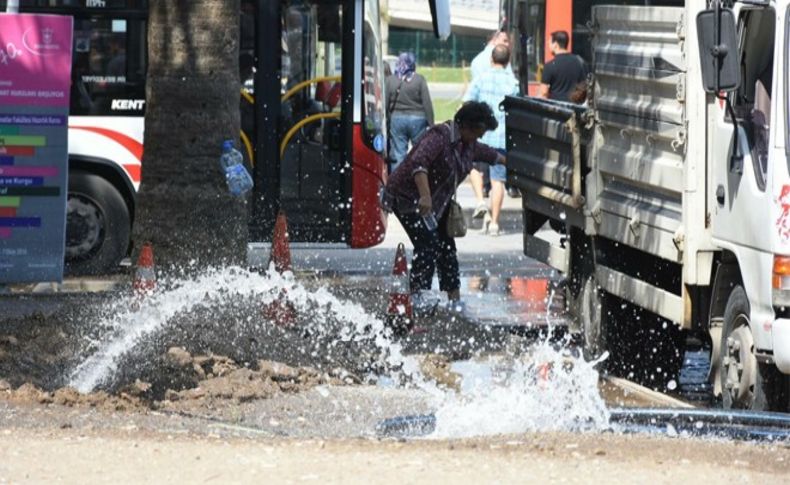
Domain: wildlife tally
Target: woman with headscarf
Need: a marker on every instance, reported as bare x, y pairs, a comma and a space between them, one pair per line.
409, 107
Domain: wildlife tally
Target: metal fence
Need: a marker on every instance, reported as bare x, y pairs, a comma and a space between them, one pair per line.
457, 51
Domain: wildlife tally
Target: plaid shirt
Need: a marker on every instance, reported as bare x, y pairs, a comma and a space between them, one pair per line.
446, 159
491, 87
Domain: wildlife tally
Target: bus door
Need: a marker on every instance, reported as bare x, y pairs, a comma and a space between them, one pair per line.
318, 120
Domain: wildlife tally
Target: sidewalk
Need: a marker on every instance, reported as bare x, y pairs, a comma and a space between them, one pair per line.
446, 90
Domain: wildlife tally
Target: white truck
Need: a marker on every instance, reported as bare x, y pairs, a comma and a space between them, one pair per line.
669, 192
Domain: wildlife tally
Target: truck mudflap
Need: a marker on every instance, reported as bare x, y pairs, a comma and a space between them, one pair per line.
781, 337
547, 155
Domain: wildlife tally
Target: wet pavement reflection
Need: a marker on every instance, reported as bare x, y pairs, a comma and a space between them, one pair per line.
516, 301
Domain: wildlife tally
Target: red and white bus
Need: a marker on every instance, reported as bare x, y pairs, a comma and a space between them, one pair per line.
316, 130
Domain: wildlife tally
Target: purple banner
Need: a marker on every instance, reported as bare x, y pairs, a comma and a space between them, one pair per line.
35, 52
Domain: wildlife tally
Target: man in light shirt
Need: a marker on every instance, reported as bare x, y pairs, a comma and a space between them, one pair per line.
491, 87
479, 174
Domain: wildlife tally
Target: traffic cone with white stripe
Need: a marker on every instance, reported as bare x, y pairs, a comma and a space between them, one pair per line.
145, 274
399, 310
280, 311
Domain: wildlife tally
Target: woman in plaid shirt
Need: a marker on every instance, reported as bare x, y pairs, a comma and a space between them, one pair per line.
424, 184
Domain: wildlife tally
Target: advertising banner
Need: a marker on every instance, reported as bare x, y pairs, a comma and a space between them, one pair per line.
35, 76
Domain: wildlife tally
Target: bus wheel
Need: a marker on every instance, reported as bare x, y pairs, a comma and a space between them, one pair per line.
97, 226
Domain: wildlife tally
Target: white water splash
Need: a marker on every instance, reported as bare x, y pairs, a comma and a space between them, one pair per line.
546, 391
138, 319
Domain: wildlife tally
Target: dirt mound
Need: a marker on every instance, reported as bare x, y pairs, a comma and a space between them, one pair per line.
218, 377
67, 396
200, 379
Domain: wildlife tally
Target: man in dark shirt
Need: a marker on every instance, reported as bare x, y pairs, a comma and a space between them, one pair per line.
562, 75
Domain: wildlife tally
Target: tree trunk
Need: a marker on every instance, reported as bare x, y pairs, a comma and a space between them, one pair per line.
183, 207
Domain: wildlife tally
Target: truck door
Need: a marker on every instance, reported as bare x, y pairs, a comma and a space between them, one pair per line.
739, 157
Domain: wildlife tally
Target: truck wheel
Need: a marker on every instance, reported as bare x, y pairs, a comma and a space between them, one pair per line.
97, 226
746, 383
741, 382
591, 312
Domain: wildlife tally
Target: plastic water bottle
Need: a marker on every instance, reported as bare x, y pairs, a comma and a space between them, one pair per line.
236, 175
430, 222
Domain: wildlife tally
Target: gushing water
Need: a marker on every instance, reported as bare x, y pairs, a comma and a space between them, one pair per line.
137, 319
544, 389
548, 390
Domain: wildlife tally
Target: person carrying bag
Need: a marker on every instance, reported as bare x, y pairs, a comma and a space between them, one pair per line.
411, 109
424, 185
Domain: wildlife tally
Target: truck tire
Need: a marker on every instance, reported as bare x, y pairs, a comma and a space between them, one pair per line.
592, 313
98, 226
745, 383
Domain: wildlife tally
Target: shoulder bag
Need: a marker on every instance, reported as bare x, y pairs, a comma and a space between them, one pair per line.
456, 223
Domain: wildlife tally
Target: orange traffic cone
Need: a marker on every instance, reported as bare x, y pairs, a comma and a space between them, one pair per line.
145, 275
280, 311
399, 311
281, 251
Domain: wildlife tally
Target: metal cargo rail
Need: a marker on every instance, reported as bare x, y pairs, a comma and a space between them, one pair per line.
547, 149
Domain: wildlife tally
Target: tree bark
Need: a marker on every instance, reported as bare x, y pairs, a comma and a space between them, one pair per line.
184, 208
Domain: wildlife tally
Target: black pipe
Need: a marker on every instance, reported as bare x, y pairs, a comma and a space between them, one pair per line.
734, 425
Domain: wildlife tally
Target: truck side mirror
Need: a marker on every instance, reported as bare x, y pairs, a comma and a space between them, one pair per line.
718, 50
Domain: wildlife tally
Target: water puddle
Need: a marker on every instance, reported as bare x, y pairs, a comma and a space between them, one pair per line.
514, 301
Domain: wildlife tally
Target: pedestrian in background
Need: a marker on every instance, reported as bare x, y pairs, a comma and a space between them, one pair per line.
482, 61
491, 87
409, 107
564, 77
424, 184
479, 176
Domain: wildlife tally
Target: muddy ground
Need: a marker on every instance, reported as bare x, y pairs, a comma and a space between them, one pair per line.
70, 447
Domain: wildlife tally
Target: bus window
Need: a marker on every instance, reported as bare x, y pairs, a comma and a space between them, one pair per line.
373, 103
109, 67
